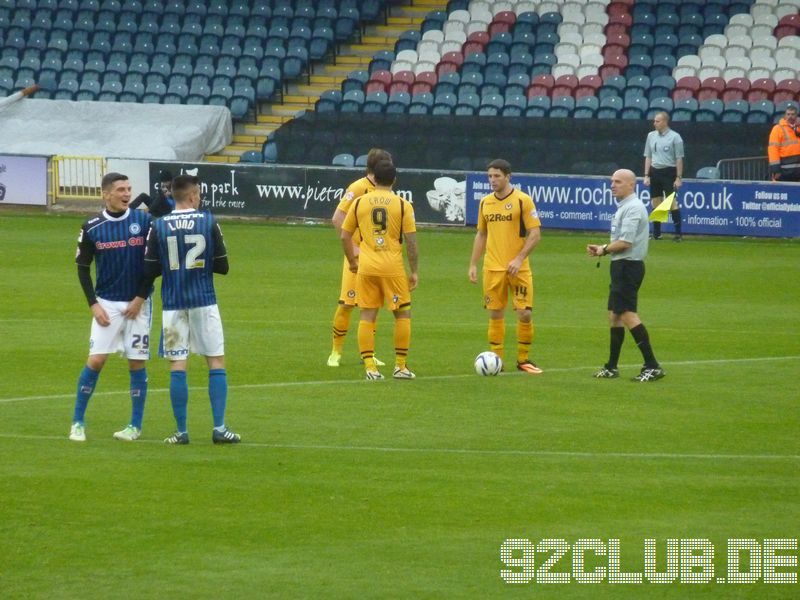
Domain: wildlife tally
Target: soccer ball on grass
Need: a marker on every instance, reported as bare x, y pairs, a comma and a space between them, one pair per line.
488, 363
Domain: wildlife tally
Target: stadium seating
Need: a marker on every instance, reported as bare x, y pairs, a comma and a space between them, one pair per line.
481, 58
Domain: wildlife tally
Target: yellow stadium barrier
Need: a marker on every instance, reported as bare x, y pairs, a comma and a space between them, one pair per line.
77, 177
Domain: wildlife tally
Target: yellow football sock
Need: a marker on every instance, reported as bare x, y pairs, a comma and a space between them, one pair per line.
524, 339
497, 335
341, 322
366, 344
402, 341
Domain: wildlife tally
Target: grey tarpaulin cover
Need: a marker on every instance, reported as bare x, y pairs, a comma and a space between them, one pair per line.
118, 129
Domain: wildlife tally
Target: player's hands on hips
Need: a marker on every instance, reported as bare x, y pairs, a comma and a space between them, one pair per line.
473, 274
133, 308
100, 315
413, 281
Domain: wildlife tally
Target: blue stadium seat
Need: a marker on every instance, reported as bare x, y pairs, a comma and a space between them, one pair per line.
612, 87
294, 63
663, 65
374, 102
355, 80
638, 64
399, 102
322, 41
346, 23
634, 108
381, 61
684, 109
270, 152
467, 104
154, 93
537, 106
609, 108
408, 41
434, 20
518, 83
661, 87
515, 105
473, 63
448, 83
421, 104
239, 106
494, 83
528, 20
708, 173
352, 101
709, 110
344, 159
561, 107
491, 105
329, 101
471, 82
761, 112
735, 111
500, 42
659, 105
586, 107
132, 91
110, 91
444, 104
361, 160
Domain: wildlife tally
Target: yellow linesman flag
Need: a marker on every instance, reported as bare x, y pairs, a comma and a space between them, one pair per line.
661, 212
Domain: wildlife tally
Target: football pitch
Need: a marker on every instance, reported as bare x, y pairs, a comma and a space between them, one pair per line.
345, 488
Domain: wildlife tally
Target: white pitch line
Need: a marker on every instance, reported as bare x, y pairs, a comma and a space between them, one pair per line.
339, 382
457, 451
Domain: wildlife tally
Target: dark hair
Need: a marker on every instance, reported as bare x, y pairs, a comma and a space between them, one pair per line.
499, 163
110, 178
374, 156
182, 183
385, 172
792, 107
164, 176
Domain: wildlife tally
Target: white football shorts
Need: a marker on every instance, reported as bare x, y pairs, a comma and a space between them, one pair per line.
198, 330
129, 336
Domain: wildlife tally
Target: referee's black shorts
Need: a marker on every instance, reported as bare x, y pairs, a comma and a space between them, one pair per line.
626, 279
662, 181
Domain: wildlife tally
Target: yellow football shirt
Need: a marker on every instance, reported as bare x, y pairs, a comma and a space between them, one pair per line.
506, 223
355, 190
381, 218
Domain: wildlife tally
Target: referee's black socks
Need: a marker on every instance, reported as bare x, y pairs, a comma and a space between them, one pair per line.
676, 220
642, 339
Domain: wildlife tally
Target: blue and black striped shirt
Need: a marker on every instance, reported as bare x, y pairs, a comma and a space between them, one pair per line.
116, 245
184, 245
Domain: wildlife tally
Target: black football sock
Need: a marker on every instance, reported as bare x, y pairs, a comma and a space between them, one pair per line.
676, 219
642, 339
617, 337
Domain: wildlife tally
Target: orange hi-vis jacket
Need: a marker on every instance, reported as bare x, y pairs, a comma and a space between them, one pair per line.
784, 149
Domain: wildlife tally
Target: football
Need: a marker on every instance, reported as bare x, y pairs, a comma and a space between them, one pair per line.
488, 363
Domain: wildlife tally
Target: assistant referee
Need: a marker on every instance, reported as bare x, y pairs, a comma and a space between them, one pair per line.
663, 169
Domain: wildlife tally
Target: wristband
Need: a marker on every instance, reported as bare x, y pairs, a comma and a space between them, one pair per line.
605, 249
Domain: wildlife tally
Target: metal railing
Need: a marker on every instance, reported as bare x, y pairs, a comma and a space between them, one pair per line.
749, 168
77, 177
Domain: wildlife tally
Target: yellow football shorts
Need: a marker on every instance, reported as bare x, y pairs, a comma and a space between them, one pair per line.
498, 284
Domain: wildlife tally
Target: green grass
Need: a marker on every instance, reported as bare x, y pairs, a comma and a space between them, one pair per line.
350, 489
